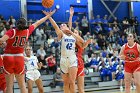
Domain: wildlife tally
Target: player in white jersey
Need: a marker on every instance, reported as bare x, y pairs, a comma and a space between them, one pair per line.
68, 62
32, 73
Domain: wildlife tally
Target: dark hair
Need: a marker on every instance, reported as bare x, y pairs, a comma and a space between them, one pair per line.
136, 37
21, 24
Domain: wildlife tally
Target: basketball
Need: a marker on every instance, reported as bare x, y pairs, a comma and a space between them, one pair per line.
47, 3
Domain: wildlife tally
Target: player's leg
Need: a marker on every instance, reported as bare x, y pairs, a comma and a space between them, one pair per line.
137, 80
128, 79
65, 76
30, 86
39, 85
21, 82
80, 83
80, 79
9, 83
19, 73
66, 86
72, 77
8, 62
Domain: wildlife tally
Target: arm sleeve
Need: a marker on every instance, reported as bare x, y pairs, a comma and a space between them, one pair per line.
31, 29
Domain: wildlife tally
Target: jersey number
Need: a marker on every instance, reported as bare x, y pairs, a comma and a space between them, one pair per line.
32, 63
19, 41
69, 46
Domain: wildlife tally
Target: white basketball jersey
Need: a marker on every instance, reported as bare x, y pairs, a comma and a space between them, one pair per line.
31, 63
68, 45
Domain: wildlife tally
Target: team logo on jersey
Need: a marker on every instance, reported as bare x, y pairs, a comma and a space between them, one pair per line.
131, 54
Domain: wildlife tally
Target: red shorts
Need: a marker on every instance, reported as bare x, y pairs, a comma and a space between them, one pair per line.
132, 67
2, 82
13, 64
80, 71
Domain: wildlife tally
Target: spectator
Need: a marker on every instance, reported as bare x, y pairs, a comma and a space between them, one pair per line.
84, 23
41, 51
104, 72
98, 19
50, 40
12, 21
120, 77
57, 80
51, 63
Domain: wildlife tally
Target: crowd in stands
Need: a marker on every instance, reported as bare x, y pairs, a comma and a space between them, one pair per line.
101, 55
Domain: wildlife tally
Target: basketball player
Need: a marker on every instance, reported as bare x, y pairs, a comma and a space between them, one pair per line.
68, 61
13, 59
2, 76
32, 73
80, 50
130, 53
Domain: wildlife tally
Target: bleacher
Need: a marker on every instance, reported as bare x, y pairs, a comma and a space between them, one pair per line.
92, 83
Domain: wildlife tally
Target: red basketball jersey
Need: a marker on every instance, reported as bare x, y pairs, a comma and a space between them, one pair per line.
79, 56
79, 52
131, 53
17, 40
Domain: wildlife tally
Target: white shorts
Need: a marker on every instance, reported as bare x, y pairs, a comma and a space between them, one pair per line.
68, 62
33, 75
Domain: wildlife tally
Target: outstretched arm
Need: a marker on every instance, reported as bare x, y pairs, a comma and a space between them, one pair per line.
57, 29
39, 22
70, 18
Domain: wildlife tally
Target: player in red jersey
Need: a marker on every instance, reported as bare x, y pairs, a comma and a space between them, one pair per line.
80, 50
130, 53
80, 72
13, 59
2, 76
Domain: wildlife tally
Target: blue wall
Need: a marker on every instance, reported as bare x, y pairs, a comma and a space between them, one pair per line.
61, 15
10, 7
137, 9
99, 9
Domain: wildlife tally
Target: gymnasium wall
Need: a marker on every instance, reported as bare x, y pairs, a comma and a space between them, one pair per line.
10, 7
34, 8
136, 6
99, 9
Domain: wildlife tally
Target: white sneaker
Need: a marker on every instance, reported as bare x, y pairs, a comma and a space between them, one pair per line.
134, 87
121, 88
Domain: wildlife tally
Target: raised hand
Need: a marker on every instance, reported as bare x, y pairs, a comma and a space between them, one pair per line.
49, 13
71, 11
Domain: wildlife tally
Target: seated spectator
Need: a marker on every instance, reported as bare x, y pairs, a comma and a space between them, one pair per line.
104, 72
120, 77
122, 40
41, 51
87, 36
104, 20
98, 19
50, 40
94, 63
44, 66
52, 66
57, 79
98, 29
94, 45
55, 46
40, 34
110, 50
